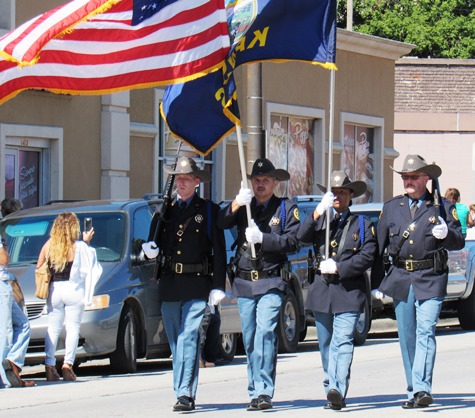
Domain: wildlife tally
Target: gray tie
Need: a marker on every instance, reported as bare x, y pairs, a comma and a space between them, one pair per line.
413, 208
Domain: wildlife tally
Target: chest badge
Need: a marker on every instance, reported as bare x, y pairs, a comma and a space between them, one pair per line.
355, 237
432, 219
199, 219
275, 221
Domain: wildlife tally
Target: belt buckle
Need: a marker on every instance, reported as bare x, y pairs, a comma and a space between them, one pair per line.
409, 266
179, 268
254, 275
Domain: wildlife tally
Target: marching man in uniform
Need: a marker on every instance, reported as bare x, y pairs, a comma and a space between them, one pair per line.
260, 282
417, 234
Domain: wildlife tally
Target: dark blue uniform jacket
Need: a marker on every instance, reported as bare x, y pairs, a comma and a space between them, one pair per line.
420, 245
347, 293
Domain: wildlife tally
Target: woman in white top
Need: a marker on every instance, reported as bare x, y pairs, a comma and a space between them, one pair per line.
74, 272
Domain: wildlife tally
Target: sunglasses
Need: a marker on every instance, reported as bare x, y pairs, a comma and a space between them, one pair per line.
412, 177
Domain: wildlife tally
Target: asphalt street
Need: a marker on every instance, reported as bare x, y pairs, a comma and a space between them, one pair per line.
377, 388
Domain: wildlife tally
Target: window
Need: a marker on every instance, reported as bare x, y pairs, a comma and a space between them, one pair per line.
292, 145
361, 152
7, 16
31, 160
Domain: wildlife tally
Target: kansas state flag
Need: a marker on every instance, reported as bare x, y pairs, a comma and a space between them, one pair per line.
260, 30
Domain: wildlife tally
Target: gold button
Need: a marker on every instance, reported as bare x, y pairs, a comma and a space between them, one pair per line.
333, 254
180, 240
180, 226
178, 252
411, 256
197, 230
411, 242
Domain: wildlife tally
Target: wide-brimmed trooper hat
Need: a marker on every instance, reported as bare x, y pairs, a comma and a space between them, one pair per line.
340, 179
186, 165
413, 163
263, 167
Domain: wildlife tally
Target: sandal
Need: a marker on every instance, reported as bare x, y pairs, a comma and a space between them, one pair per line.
51, 373
68, 373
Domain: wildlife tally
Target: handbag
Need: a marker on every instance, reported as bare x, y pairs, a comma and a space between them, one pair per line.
42, 279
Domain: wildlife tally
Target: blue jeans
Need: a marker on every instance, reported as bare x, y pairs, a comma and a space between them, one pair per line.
14, 330
335, 334
182, 322
6, 328
259, 319
416, 323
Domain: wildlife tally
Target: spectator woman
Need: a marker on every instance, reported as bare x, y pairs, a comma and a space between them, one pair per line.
74, 272
453, 195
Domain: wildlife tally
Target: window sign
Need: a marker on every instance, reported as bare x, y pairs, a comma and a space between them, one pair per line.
290, 146
28, 177
358, 157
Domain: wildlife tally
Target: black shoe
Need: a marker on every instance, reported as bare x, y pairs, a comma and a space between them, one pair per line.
422, 399
329, 405
408, 404
184, 403
253, 405
264, 402
335, 398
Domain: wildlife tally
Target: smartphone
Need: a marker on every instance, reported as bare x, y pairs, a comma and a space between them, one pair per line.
87, 224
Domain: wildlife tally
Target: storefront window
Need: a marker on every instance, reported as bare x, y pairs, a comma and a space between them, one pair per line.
290, 146
358, 157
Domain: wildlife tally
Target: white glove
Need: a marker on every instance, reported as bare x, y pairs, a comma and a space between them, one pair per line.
150, 250
244, 196
377, 294
440, 231
253, 234
327, 202
328, 266
216, 296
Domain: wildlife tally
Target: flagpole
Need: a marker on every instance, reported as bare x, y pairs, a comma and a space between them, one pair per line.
242, 162
330, 157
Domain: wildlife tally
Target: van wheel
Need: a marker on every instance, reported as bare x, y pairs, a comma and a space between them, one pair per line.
289, 324
228, 346
124, 358
466, 312
363, 325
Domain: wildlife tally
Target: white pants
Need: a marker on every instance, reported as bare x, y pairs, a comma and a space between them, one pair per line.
65, 306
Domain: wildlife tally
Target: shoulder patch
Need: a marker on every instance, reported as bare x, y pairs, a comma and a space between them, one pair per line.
296, 214
454, 214
372, 231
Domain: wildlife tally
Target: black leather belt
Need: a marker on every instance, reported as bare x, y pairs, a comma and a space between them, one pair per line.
257, 275
411, 265
180, 268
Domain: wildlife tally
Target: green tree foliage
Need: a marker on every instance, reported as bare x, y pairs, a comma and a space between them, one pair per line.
438, 28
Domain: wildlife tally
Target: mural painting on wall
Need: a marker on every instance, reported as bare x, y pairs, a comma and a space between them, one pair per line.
29, 176
358, 157
290, 146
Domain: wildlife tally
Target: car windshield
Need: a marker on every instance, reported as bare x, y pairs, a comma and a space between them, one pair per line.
26, 236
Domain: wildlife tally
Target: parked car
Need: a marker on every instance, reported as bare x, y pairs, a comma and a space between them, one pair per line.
124, 323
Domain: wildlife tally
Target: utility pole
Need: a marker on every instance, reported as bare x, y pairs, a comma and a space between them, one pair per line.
349, 15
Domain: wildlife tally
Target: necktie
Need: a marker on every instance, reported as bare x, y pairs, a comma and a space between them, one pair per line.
413, 208
259, 210
182, 206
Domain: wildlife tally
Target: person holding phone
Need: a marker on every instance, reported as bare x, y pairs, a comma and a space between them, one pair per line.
74, 270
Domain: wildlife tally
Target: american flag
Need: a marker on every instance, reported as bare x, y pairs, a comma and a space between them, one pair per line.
109, 46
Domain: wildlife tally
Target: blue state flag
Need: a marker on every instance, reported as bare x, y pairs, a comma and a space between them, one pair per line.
260, 30
194, 112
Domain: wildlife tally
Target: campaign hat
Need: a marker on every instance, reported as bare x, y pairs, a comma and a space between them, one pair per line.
187, 165
413, 163
340, 179
264, 167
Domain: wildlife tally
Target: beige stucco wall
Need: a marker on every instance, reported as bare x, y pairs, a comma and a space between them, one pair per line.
80, 118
